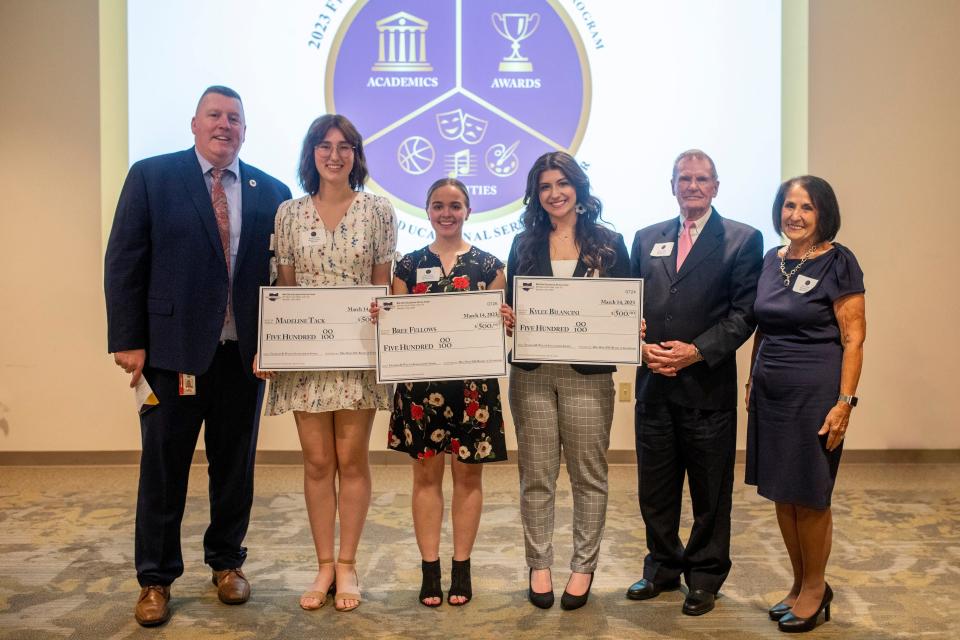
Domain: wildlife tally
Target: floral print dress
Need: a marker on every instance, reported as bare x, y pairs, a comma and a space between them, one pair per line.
459, 417
345, 256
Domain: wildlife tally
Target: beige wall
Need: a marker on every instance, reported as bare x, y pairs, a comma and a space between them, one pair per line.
885, 130
884, 90
58, 390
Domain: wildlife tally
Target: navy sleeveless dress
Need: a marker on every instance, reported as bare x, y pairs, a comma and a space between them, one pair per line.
796, 377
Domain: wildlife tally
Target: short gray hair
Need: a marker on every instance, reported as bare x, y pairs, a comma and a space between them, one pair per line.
695, 154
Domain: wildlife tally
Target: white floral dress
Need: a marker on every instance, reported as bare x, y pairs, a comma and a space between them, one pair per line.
367, 235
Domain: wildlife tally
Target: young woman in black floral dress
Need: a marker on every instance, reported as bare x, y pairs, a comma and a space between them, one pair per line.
459, 417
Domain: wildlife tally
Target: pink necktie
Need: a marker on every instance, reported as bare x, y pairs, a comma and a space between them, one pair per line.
685, 244
222, 211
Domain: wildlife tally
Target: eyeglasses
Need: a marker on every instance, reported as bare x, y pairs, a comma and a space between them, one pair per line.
343, 148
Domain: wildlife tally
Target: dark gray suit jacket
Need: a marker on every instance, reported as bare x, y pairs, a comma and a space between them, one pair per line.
708, 303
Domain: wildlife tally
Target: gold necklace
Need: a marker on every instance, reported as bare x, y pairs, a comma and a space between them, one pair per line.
783, 263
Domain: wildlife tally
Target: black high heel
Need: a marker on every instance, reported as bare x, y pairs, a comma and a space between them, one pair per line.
779, 610
790, 623
543, 600
430, 586
460, 584
569, 602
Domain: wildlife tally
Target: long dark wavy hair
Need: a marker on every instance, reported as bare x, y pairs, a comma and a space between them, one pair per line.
596, 242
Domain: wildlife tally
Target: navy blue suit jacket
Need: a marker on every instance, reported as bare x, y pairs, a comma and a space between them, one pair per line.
708, 303
165, 275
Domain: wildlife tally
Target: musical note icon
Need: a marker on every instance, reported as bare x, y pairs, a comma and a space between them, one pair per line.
459, 164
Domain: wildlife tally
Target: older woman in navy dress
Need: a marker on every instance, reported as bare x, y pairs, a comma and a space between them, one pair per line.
808, 353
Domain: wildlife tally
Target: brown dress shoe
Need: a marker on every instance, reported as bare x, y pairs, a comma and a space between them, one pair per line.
232, 586
153, 605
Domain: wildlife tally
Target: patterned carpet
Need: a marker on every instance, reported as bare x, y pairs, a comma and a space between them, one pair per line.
66, 571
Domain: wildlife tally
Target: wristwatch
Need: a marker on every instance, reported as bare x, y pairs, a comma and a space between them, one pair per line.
850, 400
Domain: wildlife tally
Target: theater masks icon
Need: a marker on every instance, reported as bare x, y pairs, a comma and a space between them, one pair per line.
457, 125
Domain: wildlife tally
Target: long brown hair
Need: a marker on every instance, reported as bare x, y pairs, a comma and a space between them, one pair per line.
596, 241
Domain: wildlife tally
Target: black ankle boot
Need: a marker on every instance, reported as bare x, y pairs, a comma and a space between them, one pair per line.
460, 584
430, 587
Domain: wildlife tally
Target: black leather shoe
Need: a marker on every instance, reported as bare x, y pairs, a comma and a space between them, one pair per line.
778, 610
543, 600
699, 602
569, 602
790, 623
643, 589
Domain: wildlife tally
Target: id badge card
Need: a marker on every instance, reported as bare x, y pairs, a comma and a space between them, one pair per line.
188, 384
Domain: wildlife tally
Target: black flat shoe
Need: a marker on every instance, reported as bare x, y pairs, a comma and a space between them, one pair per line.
643, 589
543, 600
430, 586
699, 602
778, 610
569, 602
460, 584
790, 623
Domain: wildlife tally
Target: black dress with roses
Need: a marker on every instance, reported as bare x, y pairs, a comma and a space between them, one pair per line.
460, 417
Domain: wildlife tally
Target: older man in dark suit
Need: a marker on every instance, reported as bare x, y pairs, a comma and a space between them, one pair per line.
189, 249
700, 278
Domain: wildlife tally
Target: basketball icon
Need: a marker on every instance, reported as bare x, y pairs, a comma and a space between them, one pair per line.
415, 155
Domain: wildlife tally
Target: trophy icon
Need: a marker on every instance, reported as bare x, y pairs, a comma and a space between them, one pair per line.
516, 27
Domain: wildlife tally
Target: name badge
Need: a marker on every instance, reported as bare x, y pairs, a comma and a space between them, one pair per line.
429, 274
661, 249
188, 384
312, 237
804, 284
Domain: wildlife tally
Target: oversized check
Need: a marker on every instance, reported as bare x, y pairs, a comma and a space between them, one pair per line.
317, 329
577, 320
441, 336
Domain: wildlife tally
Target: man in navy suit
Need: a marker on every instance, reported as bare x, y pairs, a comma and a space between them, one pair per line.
700, 279
190, 247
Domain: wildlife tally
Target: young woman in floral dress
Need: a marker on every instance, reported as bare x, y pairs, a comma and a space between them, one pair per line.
335, 235
459, 417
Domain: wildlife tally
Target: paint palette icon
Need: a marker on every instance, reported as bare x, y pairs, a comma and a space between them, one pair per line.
502, 160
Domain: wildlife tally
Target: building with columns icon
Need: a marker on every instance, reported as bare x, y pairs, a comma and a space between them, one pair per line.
403, 43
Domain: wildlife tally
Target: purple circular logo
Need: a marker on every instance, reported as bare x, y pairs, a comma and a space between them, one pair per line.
459, 88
